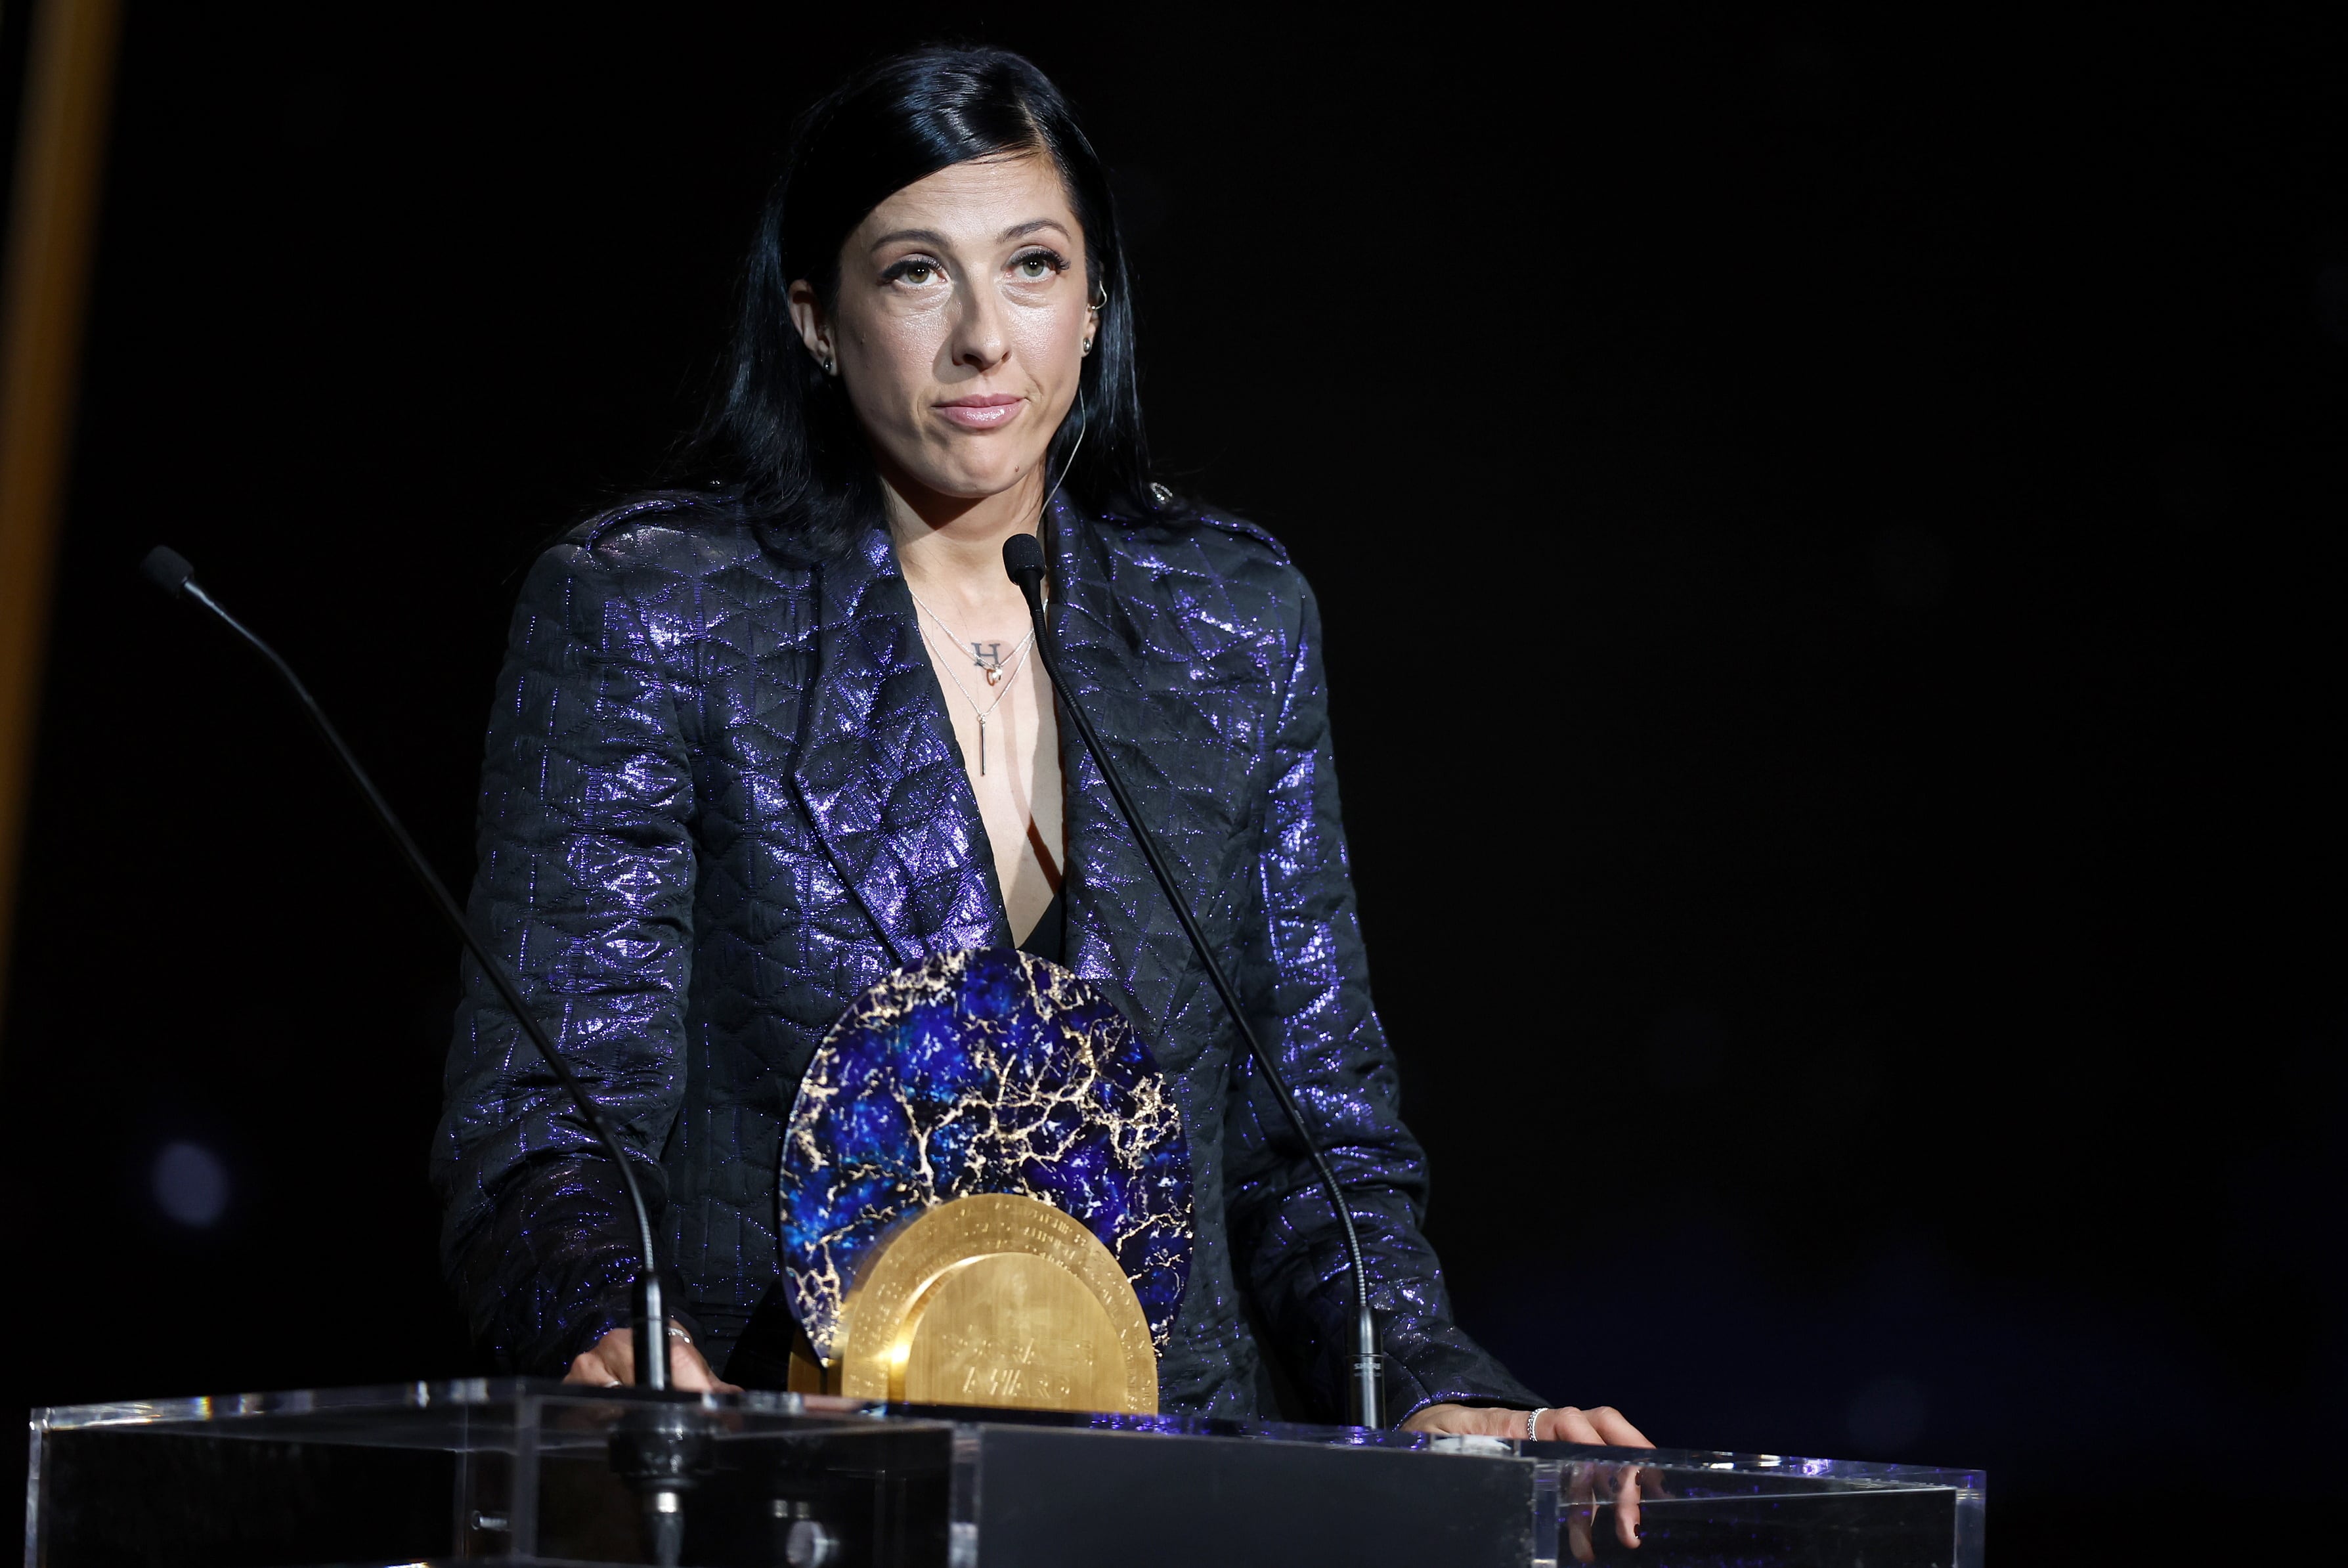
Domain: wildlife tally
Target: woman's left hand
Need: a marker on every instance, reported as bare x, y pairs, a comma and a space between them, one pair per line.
1601, 1427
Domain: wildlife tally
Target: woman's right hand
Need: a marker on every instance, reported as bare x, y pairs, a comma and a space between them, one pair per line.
611, 1361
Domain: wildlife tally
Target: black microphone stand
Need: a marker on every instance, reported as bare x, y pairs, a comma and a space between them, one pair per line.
660, 1454
1023, 558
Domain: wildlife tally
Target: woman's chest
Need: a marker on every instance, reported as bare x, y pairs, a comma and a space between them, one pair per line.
781, 735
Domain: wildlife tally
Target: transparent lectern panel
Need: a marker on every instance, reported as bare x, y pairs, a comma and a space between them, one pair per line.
509, 1471
522, 1472
1705, 1508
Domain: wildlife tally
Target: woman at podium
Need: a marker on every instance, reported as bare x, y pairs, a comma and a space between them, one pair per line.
762, 738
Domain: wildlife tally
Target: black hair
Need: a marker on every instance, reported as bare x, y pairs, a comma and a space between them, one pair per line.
796, 459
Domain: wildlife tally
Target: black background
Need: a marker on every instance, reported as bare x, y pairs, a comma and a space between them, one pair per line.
1829, 530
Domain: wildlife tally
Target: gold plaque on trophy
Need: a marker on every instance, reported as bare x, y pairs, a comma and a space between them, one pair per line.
997, 1299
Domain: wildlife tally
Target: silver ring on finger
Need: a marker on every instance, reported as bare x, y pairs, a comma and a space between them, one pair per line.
1532, 1424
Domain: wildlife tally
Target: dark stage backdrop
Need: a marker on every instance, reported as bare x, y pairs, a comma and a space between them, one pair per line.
1829, 539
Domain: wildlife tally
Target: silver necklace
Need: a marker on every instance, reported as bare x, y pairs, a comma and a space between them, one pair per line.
1001, 672
996, 673
987, 656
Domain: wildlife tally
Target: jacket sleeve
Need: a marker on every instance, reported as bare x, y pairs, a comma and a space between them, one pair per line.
586, 887
1313, 986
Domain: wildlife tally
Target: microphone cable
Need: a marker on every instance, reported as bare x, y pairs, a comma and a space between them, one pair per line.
1023, 558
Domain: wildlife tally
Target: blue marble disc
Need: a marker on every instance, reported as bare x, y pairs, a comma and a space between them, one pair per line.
982, 1072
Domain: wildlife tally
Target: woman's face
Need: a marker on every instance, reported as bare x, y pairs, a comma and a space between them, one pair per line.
961, 325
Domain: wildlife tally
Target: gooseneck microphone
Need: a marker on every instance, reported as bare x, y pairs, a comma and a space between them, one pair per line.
170, 570
1023, 558
661, 1459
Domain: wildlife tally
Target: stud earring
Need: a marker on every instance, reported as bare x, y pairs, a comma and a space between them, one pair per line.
1086, 346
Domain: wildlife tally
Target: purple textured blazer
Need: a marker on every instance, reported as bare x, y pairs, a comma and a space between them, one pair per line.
723, 797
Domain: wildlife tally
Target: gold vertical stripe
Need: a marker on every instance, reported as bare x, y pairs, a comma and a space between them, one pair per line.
60, 145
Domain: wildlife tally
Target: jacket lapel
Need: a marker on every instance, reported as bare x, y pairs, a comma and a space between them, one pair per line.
879, 773
1120, 929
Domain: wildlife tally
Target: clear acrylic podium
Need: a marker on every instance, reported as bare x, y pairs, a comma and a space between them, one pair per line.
517, 1472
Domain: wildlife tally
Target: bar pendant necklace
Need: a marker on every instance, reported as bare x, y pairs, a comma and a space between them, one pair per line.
993, 662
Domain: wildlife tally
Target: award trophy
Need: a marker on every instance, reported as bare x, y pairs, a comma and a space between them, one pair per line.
985, 1195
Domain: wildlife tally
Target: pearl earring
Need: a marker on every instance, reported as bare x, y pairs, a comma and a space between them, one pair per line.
1084, 348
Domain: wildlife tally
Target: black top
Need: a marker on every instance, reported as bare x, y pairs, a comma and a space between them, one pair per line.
1049, 939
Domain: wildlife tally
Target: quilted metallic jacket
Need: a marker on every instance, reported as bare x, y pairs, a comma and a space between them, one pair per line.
723, 797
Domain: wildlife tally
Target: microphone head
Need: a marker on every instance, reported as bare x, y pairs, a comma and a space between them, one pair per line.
1023, 558
166, 569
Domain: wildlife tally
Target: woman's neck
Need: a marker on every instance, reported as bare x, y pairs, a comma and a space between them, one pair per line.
950, 548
